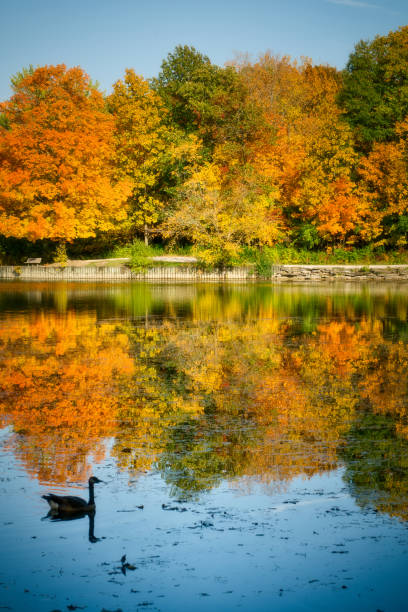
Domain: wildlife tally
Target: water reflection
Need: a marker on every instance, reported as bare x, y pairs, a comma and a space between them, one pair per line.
55, 515
376, 459
207, 383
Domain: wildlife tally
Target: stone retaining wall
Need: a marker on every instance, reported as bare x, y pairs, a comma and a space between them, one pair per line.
191, 274
327, 272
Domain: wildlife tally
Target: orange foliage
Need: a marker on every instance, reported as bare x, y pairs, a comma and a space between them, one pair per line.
56, 160
313, 156
342, 212
384, 183
62, 394
270, 150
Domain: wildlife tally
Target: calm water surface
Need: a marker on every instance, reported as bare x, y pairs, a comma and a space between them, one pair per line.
253, 442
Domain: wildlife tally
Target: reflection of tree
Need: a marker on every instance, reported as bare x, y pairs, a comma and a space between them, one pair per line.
154, 401
201, 451
376, 459
269, 410
61, 377
292, 398
384, 383
249, 393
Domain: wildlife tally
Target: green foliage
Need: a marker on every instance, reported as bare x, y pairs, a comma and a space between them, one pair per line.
399, 229
307, 236
402, 224
137, 248
263, 263
140, 263
206, 99
139, 254
16, 79
395, 229
375, 91
281, 254
185, 81
4, 122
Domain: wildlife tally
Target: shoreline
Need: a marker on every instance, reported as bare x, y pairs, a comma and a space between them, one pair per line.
279, 273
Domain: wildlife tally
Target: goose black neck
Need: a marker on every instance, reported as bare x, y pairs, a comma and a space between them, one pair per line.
91, 494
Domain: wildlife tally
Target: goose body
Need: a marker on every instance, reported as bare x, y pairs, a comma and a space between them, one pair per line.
71, 503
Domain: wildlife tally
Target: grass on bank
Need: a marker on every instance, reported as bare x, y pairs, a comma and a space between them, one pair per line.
261, 259
291, 255
221, 257
140, 254
264, 258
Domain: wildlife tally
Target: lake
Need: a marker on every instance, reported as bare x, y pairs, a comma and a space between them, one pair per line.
252, 440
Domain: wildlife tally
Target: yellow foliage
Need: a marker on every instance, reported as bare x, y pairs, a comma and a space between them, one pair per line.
141, 140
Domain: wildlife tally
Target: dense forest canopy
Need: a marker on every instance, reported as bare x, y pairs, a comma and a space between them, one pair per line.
254, 154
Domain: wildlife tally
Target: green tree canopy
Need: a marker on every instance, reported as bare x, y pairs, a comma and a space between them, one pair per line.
375, 91
185, 82
205, 99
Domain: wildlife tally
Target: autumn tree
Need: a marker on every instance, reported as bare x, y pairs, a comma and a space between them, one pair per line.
312, 160
327, 196
384, 186
224, 202
57, 178
218, 216
141, 144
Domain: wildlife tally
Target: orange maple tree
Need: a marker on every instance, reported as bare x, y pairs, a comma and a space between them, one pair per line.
56, 158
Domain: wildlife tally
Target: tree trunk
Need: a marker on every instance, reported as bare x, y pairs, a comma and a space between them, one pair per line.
146, 235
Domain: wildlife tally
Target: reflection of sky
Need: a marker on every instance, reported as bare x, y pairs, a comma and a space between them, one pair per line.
291, 550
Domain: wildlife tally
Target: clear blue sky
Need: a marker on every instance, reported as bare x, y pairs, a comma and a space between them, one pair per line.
107, 36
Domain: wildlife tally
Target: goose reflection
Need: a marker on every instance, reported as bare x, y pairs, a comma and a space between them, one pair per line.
55, 515
70, 507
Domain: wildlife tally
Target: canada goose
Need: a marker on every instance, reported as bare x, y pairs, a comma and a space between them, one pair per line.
70, 503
